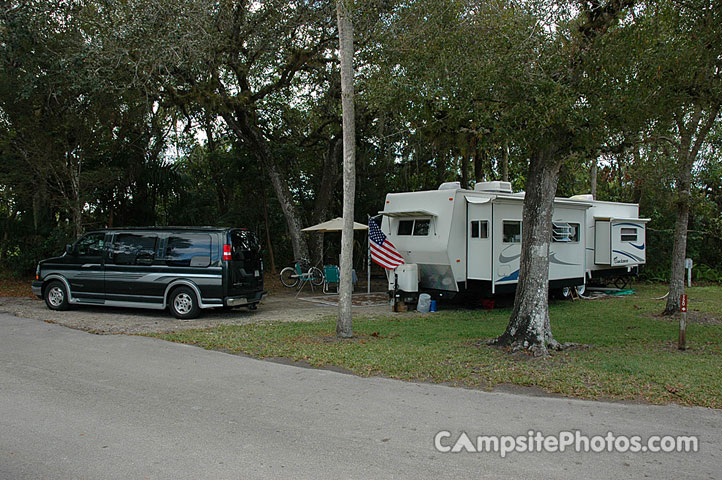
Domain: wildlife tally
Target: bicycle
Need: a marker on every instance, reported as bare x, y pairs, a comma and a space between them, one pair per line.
293, 276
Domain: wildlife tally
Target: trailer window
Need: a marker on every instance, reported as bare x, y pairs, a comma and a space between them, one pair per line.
418, 228
629, 234
479, 229
512, 231
406, 227
421, 227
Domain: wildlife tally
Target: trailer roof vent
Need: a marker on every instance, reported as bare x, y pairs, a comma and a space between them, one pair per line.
582, 197
450, 186
495, 187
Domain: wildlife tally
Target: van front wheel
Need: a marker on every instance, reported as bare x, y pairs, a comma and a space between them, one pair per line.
56, 296
184, 304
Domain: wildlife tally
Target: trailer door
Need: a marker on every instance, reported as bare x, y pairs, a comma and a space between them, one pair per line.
478, 238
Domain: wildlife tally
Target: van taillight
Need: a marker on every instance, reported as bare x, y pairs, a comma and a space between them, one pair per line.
226, 252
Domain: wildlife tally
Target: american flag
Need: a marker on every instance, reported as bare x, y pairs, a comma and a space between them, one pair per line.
383, 251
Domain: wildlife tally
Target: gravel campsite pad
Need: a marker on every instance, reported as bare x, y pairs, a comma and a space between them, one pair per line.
278, 307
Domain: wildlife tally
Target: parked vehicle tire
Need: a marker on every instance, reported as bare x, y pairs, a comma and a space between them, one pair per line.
288, 277
252, 306
56, 296
316, 276
183, 303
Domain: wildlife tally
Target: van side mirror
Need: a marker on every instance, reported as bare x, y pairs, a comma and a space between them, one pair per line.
68, 249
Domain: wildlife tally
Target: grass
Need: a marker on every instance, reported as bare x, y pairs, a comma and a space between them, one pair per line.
631, 351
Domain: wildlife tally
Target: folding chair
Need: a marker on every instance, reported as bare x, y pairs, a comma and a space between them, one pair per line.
303, 278
330, 276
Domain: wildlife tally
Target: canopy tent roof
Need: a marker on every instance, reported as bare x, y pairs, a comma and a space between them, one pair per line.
335, 225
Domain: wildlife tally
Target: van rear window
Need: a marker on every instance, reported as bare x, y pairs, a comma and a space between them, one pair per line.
243, 241
188, 250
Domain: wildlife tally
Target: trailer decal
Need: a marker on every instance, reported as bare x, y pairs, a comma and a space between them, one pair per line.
514, 276
554, 259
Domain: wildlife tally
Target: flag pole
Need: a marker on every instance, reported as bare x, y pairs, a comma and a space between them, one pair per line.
368, 257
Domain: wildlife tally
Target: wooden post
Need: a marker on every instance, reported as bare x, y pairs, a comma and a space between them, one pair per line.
682, 343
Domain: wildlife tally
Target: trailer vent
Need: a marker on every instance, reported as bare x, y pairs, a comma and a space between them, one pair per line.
495, 187
450, 186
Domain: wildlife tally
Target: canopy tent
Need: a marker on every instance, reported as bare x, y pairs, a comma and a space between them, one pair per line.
336, 225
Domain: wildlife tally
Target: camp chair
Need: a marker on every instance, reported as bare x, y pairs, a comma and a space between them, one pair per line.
330, 276
303, 278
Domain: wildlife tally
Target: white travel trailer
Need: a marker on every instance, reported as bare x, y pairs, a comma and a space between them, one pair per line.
470, 240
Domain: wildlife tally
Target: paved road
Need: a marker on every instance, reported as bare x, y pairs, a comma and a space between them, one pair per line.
76, 405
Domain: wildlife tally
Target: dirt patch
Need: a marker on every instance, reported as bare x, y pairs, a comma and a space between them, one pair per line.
693, 316
280, 306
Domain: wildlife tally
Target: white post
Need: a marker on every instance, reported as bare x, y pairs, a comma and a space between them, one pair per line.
688, 264
368, 263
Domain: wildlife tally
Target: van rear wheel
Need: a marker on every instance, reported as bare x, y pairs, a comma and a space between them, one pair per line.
184, 304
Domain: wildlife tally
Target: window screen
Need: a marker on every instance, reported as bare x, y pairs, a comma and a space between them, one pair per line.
512, 231
189, 250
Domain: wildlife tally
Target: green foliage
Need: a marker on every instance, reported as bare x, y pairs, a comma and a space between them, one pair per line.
116, 113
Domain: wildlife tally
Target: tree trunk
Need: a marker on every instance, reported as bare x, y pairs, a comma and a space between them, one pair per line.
269, 245
529, 326
593, 178
259, 145
345, 39
464, 170
505, 163
692, 135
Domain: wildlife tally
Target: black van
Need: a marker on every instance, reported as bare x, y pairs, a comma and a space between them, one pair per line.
181, 268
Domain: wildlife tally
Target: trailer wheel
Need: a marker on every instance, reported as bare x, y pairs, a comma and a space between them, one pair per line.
621, 282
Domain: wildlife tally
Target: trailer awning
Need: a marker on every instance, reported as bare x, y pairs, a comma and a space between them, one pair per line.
478, 199
409, 213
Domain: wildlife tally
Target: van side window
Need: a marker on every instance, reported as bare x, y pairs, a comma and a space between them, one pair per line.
629, 234
512, 231
188, 250
133, 249
90, 245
